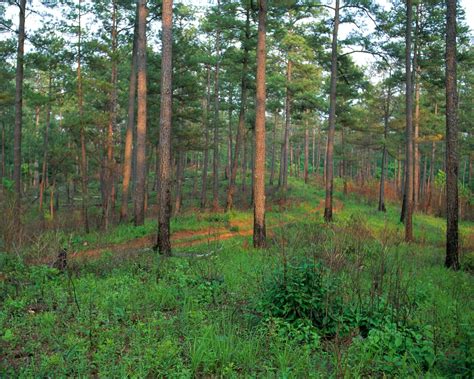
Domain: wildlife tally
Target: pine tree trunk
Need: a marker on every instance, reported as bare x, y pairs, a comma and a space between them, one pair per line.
452, 198
18, 118
409, 128
381, 207
272, 169
45, 145
84, 174
332, 120
179, 182
141, 164
109, 164
163, 241
259, 228
286, 138
306, 153
241, 127
215, 158
127, 160
205, 165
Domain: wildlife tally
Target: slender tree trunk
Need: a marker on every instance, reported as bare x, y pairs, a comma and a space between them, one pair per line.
2, 167
244, 166
259, 228
127, 160
228, 166
215, 158
272, 169
286, 138
141, 168
163, 242
45, 144
332, 120
84, 174
179, 182
306, 153
241, 126
205, 165
109, 162
384, 151
18, 118
409, 127
452, 163
318, 157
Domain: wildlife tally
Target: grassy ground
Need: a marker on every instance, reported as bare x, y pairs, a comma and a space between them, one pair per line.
348, 299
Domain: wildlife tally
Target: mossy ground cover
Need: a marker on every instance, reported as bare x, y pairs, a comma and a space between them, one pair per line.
348, 299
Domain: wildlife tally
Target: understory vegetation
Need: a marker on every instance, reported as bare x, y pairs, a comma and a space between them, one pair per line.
346, 299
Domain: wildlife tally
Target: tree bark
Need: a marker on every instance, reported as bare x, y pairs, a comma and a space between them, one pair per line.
286, 138
127, 160
452, 198
241, 126
205, 165
381, 207
18, 117
45, 145
215, 158
80, 100
259, 228
409, 127
272, 169
140, 188
163, 241
306, 152
332, 120
109, 164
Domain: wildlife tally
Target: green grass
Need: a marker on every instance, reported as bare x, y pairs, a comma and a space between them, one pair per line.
142, 315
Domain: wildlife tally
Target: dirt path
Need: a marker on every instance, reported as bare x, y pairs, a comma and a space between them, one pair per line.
186, 238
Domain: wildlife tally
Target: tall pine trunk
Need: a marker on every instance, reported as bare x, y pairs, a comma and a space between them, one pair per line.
205, 117
408, 194
452, 198
241, 127
215, 158
164, 190
140, 188
18, 117
45, 145
127, 159
332, 120
80, 100
259, 228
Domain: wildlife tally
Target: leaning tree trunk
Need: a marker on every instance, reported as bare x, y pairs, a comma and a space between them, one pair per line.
140, 188
452, 198
259, 229
163, 241
332, 121
127, 160
18, 118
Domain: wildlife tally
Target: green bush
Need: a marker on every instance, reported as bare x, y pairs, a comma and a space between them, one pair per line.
304, 292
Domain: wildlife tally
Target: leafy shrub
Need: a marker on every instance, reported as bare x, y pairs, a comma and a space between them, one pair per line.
304, 292
394, 350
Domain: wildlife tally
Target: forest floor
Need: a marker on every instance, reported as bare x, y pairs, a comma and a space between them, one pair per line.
346, 299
